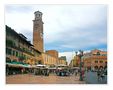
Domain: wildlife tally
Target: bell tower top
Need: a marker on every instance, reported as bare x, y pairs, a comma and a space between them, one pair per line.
38, 15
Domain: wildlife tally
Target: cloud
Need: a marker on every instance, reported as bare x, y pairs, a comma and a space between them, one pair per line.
66, 27
18, 8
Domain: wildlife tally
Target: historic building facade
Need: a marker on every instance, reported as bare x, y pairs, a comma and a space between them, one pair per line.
75, 62
72, 63
91, 60
52, 53
49, 60
95, 59
19, 50
62, 60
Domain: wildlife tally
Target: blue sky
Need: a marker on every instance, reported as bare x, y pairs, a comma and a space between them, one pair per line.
67, 28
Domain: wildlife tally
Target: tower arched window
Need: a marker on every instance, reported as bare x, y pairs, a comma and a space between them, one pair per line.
98, 53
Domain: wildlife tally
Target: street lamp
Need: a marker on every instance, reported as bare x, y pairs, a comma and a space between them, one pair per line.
80, 56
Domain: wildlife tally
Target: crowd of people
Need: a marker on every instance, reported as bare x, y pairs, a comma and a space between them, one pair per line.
44, 72
101, 73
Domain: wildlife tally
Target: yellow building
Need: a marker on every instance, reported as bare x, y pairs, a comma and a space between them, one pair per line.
95, 59
62, 60
49, 60
52, 53
35, 59
75, 62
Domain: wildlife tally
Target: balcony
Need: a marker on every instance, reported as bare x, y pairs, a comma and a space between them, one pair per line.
11, 44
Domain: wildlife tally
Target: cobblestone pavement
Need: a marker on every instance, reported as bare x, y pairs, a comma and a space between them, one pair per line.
51, 79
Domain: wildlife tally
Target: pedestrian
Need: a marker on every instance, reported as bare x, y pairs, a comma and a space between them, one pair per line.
22, 70
102, 74
99, 74
47, 72
76, 72
83, 74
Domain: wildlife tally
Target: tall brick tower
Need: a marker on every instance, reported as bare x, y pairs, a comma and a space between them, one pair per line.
38, 31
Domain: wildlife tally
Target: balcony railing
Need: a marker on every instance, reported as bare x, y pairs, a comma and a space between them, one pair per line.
11, 44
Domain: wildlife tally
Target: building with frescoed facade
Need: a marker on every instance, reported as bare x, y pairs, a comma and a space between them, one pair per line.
18, 49
95, 59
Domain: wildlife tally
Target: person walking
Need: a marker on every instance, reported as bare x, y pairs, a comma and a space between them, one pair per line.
99, 74
102, 74
22, 71
83, 74
76, 72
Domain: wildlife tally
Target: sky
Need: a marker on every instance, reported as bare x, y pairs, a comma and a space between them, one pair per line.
67, 28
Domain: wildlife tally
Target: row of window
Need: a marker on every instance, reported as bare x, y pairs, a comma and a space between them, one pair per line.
62, 62
49, 59
15, 40
99, 61
11, 42
15, 53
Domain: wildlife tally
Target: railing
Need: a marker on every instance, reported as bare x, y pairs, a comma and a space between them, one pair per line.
21, 49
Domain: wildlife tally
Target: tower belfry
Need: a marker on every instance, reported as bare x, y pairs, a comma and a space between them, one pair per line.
38, 31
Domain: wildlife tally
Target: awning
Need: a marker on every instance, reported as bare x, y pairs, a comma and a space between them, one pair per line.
53, 68
40, 65
16, 64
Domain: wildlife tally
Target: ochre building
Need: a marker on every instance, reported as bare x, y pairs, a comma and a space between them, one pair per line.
95, 59
52, 53
49, 60
62, 60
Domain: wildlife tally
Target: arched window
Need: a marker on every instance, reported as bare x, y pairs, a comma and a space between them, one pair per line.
96, 67
98, 53
39, 62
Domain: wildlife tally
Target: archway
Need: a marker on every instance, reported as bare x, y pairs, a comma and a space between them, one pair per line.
96, 67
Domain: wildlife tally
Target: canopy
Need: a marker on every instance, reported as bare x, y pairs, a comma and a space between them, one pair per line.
52, 68
75, 67
18, 65
40, 65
